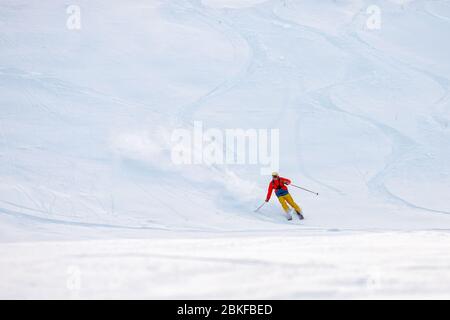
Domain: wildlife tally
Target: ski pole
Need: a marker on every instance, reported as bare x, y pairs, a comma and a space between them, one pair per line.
305, 189
260, 206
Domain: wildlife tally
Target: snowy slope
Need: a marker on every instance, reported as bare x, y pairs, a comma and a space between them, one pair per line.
395, 265
86, 118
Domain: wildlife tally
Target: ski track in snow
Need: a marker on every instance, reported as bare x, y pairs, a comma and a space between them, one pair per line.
241, 31
402, 146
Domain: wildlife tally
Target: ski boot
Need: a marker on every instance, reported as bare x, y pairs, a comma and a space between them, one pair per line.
300, 215
288, 215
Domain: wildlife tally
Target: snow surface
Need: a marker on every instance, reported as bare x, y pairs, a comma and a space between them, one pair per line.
313, 265
86, 118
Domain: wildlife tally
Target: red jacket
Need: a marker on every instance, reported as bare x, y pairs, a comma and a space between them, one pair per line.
279, 186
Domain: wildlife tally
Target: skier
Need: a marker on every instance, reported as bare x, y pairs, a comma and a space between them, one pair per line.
279, 184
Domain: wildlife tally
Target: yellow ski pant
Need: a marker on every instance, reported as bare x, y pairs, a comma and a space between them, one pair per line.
287, 199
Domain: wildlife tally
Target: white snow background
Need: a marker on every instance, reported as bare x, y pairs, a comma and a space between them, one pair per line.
91, 205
